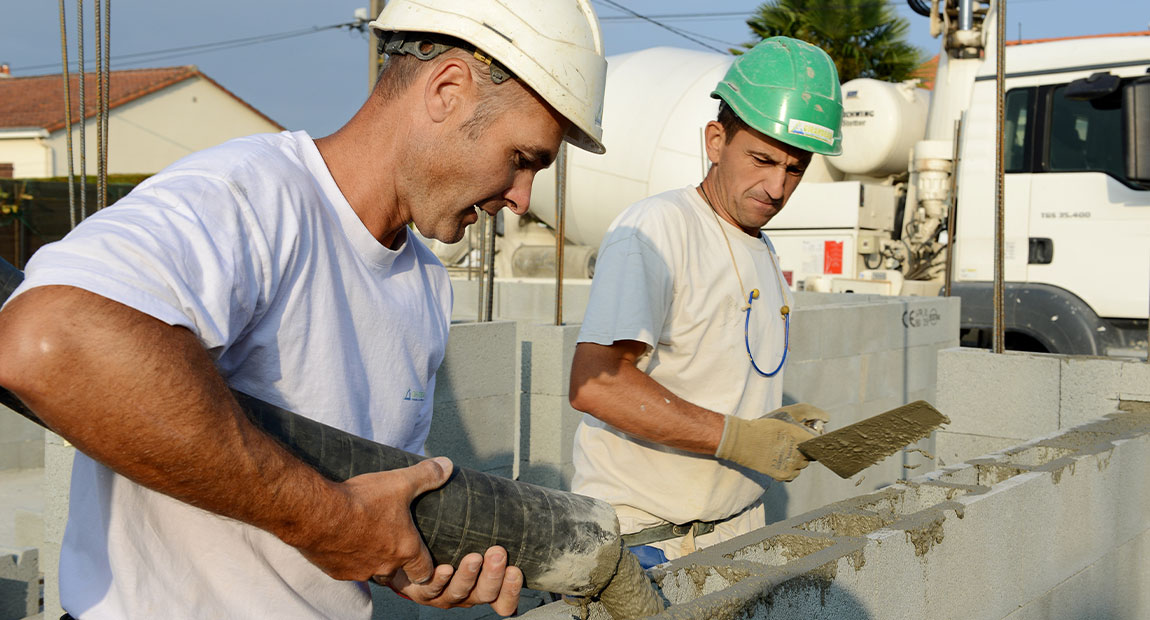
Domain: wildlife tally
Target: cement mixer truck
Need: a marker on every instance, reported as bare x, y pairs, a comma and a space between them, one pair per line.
915, 183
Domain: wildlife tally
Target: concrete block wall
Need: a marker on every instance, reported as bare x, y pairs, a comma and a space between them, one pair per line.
857, 356
21, 442
522, 299
997, 400
475, 420
1054, 528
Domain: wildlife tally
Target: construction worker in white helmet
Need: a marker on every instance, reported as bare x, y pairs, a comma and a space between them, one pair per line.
679, 365
281, 266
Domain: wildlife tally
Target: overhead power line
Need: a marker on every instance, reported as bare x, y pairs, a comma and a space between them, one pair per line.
678, 16
203, 48
682, 33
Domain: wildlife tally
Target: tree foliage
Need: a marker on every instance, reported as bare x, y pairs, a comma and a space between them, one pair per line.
866, 38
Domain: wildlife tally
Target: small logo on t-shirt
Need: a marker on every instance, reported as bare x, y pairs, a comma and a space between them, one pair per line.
419, 395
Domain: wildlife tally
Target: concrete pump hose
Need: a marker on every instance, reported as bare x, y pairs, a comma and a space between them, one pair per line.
563, 542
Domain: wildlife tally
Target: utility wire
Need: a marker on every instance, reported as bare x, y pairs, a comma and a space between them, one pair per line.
677, 31
675, 16
172, 52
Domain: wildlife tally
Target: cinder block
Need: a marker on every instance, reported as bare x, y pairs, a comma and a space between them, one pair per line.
953, 448
1006, 395
549, 428
58, 456
921, 368
1135, 381
825, 383
547, 352
478, 433
19, 582
1089, 389
883, 375
481, 360
806, 334
929, 320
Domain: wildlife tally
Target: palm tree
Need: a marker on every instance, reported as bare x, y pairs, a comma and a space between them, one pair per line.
866, 38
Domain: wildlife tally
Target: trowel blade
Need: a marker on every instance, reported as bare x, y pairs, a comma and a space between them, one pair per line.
851, 449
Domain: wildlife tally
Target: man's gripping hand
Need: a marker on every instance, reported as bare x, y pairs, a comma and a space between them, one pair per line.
374, 537
770, 445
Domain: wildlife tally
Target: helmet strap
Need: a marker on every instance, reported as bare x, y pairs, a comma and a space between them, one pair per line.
426, 46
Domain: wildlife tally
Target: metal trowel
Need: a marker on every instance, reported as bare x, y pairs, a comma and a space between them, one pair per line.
851, 449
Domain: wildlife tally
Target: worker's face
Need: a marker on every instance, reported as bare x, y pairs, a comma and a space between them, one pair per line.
490, 166
753, 175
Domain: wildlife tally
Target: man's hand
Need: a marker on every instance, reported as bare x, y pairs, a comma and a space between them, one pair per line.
770, 445
806, 414
479, 579
372, 533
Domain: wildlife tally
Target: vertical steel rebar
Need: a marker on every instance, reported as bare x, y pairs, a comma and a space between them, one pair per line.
107, 96
999, 182
68, 116
489, 288
479, 287
83, 111
952, 208
99, 32
561, 227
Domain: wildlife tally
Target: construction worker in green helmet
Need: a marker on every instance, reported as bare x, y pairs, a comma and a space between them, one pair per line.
680, 360
283, 266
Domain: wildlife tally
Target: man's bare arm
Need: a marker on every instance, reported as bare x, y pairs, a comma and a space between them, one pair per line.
145, 399
606, 384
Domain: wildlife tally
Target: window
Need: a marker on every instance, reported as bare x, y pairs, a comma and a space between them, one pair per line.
1086, 135
1018, 113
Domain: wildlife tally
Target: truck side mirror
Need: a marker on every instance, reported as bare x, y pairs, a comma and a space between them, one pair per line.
1136, 122
1088, 88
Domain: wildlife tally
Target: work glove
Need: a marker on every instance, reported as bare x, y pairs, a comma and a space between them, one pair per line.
770, 444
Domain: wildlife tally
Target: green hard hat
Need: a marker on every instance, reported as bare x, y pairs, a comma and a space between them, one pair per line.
789, 90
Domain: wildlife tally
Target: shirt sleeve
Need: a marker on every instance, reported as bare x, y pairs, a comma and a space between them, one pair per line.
633, 286
183, 251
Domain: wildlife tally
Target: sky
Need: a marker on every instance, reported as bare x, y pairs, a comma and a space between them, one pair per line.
311, 79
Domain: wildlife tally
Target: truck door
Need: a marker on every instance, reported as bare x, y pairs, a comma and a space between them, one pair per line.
1089, 225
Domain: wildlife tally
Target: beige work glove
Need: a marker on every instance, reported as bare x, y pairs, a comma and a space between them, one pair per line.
770, 444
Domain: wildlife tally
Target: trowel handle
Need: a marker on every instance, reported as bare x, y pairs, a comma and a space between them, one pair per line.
815, 426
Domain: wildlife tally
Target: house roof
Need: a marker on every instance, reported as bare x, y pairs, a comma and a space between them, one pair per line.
927, 71
38, 100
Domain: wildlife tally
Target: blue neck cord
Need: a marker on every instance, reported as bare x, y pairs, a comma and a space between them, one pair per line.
747, 338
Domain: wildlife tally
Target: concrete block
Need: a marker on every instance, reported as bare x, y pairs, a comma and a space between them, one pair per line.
851, 329
1114, 586
58, 456
883, 375
19, 583
546, 356
1135, 381
21, 442
1009, 395
548, 429
806, 334
478, 433
929, 320
1089, 388
825, 383
481, 360
954, 448
921, 368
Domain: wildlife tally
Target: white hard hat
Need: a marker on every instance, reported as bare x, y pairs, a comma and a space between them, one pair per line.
553, 46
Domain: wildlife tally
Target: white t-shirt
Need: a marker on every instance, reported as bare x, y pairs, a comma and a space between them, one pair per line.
664, 277
251, 246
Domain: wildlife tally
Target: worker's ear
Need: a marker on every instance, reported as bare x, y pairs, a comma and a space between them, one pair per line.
449, 88
715, 139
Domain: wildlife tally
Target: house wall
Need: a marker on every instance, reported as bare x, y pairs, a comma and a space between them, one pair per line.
30, 157
153, 131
